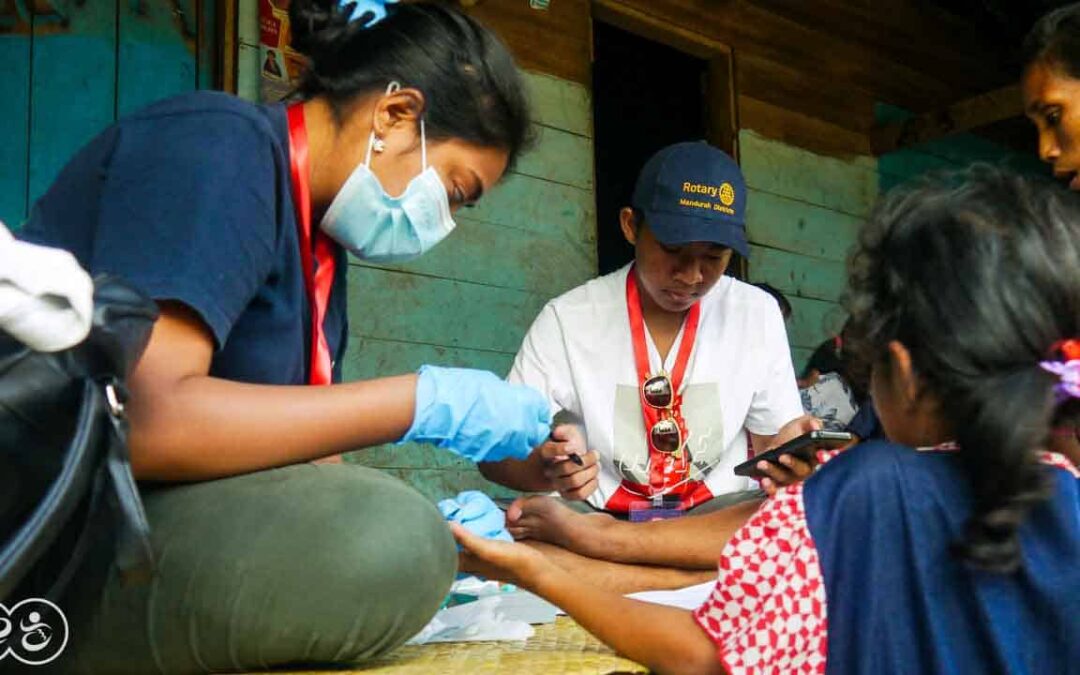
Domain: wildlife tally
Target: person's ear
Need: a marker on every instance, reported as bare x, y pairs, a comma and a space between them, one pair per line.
399, 111
904, 379
629, 225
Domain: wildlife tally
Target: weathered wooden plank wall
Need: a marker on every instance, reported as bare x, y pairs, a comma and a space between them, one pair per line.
247, 56
803, 214
805, 211
557, 41
949, 152
67, 77
14, 114
157, 55
809, 73
72, 89
209, 43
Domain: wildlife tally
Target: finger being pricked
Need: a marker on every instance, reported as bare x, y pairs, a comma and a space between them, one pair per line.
467, 540
523, 527
474, 548
500, 560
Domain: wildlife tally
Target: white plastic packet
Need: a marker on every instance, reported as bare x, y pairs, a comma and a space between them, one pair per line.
46, 298
500, 613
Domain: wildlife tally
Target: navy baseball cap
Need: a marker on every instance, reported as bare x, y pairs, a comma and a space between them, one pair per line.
693, 192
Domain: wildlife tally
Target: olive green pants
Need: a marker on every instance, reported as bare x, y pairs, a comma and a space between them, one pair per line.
308, 564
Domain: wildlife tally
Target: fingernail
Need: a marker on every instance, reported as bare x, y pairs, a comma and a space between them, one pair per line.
762, 465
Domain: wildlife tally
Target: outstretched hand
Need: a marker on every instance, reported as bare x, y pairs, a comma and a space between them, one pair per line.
498, 560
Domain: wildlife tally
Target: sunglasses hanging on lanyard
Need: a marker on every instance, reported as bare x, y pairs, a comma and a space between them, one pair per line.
661, 398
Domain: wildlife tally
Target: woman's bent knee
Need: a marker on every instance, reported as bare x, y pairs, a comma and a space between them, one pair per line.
307, 564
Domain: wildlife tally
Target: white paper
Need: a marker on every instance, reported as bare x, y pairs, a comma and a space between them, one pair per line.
690, 597
472, 622
528, 607
503, 617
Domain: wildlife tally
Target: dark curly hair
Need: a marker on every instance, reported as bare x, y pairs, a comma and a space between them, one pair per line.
976, 274
473, 89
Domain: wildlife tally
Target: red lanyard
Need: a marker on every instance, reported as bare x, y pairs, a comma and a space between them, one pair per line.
637, 333
318, 268
641, 361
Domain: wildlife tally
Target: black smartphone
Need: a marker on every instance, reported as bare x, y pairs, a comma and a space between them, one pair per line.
802, 447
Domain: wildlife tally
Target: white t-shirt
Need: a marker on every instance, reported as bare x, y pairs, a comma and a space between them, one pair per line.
579, 353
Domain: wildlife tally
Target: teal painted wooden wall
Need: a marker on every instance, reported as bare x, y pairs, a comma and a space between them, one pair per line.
63, 81
950, 152
805, 211
247, 49
803, 214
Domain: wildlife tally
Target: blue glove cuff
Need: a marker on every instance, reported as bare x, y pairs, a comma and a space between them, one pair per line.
475, 511
426, 400
477, 415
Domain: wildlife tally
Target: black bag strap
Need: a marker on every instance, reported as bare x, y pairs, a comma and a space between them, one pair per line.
62, 497
134, 555
101, 412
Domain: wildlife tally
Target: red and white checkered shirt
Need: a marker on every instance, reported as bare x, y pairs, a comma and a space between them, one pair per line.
767, 613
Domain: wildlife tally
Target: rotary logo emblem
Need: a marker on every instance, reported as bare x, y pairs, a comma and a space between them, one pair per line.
727, 194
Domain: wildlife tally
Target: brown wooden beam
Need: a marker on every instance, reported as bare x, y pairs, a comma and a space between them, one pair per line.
228, 40
966, 115
621, 14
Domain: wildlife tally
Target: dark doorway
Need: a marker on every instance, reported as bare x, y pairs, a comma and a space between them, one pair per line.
645, 95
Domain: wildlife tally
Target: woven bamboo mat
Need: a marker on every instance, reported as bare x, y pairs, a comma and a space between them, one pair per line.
562, 647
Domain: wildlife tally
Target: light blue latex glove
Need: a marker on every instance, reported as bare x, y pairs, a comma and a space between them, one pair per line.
476, 415
374, 9
475, 511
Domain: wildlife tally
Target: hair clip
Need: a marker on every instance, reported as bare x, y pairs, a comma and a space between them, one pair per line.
1067, 368
367, 12
1070, 349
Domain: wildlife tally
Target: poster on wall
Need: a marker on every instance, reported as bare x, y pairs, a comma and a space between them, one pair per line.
281, 66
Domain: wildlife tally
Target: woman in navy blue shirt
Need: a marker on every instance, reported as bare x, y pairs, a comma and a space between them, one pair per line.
237, 220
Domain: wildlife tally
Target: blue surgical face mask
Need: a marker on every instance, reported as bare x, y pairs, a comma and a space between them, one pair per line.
377, 227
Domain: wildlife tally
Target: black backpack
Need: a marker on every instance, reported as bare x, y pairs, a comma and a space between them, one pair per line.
65, 478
